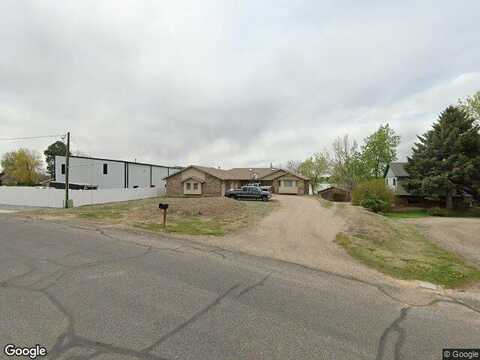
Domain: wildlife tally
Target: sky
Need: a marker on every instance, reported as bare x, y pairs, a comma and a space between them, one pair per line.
229, 83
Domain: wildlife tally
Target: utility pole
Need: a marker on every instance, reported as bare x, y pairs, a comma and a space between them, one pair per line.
67, 170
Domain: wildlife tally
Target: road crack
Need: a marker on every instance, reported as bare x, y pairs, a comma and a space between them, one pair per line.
394, 327
253, 286
191, 320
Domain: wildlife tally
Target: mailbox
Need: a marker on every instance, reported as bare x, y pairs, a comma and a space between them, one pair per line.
163, 206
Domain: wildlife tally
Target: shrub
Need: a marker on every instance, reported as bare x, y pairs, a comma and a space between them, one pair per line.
375, 205
373, 195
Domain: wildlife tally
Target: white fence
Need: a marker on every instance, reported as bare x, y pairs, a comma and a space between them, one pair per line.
55, 198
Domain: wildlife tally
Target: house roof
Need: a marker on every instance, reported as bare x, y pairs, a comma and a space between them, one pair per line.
300, 176
398, 169
248, 173
240, 173
218, 173
332, 187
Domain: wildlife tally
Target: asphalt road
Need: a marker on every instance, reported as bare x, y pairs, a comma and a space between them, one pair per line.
91, 294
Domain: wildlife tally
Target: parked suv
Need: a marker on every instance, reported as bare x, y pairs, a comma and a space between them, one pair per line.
249, 192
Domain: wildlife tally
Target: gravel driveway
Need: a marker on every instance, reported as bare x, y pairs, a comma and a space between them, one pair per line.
303, 232
458, 235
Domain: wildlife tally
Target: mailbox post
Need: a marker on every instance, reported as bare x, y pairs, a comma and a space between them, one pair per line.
164, 207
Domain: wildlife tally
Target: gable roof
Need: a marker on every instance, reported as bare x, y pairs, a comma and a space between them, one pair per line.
398, 169
248, 173
333, 187
218, 173
239, 173
288, 172
194, 178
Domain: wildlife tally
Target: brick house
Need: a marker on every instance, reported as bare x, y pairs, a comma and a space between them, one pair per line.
207, 181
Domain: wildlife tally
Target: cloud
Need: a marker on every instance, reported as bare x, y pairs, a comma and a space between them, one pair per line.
229, 83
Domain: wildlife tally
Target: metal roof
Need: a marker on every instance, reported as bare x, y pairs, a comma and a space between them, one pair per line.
124, 161
398, 169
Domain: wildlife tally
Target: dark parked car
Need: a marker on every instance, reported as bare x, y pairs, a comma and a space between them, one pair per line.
249, 192
263, 187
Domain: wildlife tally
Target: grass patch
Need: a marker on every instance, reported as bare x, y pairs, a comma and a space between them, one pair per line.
190, 226
214, 216
407, 214
440, 212
461, 213
401, 251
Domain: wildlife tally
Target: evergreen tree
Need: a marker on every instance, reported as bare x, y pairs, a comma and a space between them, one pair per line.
57, 148
446, 160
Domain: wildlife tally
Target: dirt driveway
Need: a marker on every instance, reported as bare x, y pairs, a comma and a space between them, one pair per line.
300, 231
461, 236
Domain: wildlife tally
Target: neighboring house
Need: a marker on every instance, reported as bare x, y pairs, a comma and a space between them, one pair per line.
207, 181
396, 177
97, 173
334, 193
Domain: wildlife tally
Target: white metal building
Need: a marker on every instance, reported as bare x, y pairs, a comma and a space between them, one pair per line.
111, 174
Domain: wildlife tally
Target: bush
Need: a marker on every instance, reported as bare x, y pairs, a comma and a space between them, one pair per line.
375, 205
373, 195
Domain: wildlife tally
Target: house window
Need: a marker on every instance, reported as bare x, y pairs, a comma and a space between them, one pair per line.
105, 169
195, 186
394, 181
63, 169
289, 183
189, 186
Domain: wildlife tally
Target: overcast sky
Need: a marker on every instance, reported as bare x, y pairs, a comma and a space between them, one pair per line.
229, 83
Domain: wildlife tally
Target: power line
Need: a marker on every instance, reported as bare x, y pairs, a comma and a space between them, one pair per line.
31, 137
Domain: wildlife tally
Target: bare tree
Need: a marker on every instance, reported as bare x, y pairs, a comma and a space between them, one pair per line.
294, 165
345, 163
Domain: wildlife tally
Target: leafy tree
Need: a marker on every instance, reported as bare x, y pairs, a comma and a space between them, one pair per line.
57, 148
315, 168
446, 160
379, 150
22, 167
471, 105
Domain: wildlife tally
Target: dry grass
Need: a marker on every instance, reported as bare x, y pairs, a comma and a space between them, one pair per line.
400, 250
195, 216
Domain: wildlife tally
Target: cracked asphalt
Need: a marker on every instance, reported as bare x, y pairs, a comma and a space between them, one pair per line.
103, 294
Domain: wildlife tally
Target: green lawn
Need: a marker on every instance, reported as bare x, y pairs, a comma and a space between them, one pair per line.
401, 251
189, 226
441, 212
409, 214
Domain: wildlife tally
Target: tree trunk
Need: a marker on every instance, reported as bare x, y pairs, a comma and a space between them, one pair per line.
449, 202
